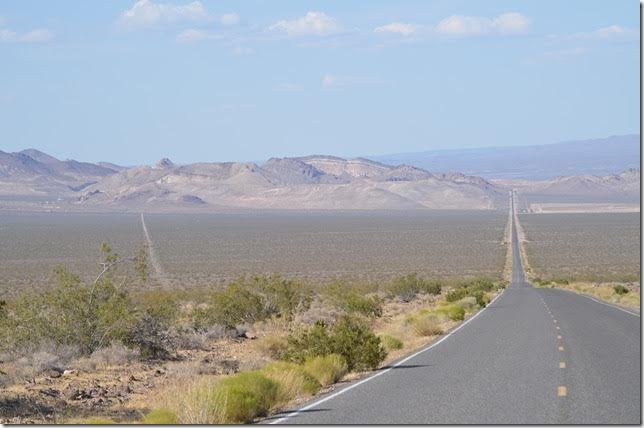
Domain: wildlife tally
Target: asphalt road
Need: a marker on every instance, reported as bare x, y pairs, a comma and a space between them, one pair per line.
533, 356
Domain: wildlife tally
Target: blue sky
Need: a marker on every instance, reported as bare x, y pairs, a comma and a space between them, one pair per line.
214, 80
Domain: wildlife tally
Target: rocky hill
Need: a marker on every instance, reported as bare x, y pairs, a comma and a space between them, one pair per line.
313, 182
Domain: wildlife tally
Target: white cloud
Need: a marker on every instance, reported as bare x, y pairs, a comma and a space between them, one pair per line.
192, 35
506, 23
34, 36
399, 28
147, 13
229, 19
605, 33
312, 24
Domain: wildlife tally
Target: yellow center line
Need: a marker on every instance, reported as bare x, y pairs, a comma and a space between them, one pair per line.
562, 365
562, 391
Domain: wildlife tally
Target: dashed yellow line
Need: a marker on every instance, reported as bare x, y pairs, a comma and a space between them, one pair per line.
562, 365
562, 391
561, 348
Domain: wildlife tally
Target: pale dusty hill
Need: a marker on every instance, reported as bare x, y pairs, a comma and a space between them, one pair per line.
619, 188
314, 182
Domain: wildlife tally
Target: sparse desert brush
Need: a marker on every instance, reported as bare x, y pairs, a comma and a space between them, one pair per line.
620, 289
245, 396
391, 343
428, 325
468, 303
407, 287
347, 299
293, 380
326, 369
456, 295
349, 337
113, 355
272, 345
455, 312
161, 417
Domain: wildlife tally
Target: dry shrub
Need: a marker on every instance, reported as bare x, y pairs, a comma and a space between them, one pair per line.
272, 345
191, 397
428, 325
114, 355
469, 303
245, 396
390, 342
327, 369
293, 380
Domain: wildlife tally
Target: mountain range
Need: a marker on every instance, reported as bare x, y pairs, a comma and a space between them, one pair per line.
602, 156
310, 182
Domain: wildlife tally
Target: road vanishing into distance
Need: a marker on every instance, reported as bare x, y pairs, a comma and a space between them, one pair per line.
533, 356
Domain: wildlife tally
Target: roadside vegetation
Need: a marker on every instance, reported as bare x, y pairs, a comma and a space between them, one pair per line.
82, 350
620, 293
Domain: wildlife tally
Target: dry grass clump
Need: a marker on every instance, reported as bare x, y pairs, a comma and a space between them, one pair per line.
114, 355
293, 380
271, 345
189, 395
391, 343
427, 325
327, 369
245, 396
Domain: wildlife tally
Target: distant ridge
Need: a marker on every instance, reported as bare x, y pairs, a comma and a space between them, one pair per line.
596, 156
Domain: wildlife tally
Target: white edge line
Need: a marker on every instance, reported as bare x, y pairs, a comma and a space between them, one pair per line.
404, 360
635, 314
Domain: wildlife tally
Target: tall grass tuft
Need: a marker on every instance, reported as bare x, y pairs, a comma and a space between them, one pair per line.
327, 369
293, 380
428, 325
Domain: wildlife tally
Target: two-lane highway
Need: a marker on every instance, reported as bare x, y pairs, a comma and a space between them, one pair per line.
537, 356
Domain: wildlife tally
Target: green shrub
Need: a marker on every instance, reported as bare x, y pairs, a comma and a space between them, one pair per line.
456, 295
89, 316
477, 288
161, 417
469, 303
245, 396
282, 297
236, 305
347, 299
348, 337
293, 380
428, 325
620, 289
481, 298
407, 287
391, 343
456, 312
326, 369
